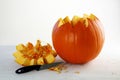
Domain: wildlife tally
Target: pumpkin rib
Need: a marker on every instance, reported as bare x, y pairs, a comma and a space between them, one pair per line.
81, 31
98, 30
77, 29
70, 42
89, 34
96, 36
101, 36
101, 28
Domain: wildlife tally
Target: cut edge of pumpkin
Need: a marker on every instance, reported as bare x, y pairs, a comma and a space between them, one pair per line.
76, 19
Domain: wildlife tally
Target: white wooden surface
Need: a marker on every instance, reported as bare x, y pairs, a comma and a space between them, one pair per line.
105, 67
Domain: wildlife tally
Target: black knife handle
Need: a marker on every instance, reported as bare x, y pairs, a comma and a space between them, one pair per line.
27, 69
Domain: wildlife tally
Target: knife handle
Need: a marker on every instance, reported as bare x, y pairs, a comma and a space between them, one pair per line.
27, 69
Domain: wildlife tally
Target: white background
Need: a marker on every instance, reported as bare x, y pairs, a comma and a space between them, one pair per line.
28, 20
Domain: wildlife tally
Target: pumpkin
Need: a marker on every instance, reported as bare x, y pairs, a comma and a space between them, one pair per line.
79, 40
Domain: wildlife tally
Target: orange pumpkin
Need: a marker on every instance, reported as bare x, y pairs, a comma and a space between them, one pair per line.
78, 40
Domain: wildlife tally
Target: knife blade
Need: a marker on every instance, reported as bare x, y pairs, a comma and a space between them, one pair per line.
36, 67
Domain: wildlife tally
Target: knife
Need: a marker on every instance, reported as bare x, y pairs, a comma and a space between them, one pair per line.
36, 67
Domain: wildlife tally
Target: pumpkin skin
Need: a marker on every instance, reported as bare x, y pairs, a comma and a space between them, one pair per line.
78, 43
